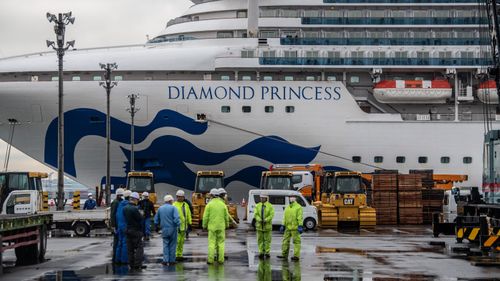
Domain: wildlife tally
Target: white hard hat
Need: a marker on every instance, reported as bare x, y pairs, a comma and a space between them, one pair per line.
180, 193
214, 191
119, 191
221, 191
168, 198
90, 194
145, 194
135, 195
262, 195
127, 193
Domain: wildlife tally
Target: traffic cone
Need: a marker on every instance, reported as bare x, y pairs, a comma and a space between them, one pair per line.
243, 203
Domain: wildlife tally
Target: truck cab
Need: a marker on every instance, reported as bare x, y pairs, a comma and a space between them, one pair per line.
19, 182
142, 182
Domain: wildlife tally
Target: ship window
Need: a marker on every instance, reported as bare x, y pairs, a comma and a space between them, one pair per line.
118, 78
379, 54
225, 78
312, 13
246, 109
288, 78
331, 78
310, 78
311, 34
356, 159
333, 55
268, 78
290, 13
400, 159
269, 109
422, 159
225, 109
247, 53
34, 78
467, 160
445, 160
268, 34
246, 78
312, 54
75, 78
354, 79
290, 54
401, 55
269, 54
55, 78
268, 13
224, 34
97, 78
290, 109
378, 159
241, 14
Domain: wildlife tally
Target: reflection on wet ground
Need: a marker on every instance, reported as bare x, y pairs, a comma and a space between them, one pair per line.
404, 253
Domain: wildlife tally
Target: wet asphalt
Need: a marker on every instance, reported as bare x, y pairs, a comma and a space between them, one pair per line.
386, 253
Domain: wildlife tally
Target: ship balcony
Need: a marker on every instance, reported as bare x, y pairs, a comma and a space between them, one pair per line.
393, 21
400, 1
472, 62
385, 41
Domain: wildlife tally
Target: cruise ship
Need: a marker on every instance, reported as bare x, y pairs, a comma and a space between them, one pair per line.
238, 85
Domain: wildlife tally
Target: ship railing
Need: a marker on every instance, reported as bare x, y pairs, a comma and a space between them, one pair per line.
383, 41
375, 61
463, 116
394, 20
400, 1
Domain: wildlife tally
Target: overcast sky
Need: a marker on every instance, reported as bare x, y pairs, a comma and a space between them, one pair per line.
24, 29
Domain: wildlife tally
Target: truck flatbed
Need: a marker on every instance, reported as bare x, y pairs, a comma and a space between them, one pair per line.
22, 221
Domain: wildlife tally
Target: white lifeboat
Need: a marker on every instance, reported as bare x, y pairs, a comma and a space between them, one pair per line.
487, 92
412, 91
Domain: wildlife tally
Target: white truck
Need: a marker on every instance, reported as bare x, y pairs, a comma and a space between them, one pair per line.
21, 193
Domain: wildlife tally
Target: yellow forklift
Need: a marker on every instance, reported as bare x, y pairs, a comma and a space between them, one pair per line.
141, 181
343, 202
206, 181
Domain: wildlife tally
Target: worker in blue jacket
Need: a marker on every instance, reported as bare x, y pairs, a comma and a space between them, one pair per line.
168, 219
121, 249
90, 203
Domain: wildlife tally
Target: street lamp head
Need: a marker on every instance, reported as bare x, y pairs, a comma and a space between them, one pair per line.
113, 65
71, 43
102, 84
71, 20
51, 17
102, 65
50, 43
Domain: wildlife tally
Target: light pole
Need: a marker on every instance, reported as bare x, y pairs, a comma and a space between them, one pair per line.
133, 110
108, 85
60, 46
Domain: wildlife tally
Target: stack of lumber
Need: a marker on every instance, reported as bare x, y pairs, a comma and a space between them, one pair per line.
410, 199
432, 201
427, 177
385, 198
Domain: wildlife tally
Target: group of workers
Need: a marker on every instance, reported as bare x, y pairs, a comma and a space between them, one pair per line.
131, 221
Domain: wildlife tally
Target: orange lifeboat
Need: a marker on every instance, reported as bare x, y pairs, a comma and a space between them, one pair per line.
487, 92
412, 91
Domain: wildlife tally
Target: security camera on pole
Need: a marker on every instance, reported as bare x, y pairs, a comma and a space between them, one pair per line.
60, 46
132, 110
108, 85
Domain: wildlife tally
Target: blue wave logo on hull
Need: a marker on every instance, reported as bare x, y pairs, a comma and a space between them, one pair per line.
170, 153
167, 155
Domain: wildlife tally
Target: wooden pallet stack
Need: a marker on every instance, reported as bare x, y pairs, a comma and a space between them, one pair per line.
427, 177
385, 198
410, 199
432, 201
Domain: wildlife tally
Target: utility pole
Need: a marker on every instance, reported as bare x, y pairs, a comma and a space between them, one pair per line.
60, 46
132, 110
108, 85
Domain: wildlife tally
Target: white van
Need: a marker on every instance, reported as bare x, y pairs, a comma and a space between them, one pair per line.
280, 200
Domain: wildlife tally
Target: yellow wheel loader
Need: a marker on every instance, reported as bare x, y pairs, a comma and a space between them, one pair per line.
206, 181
